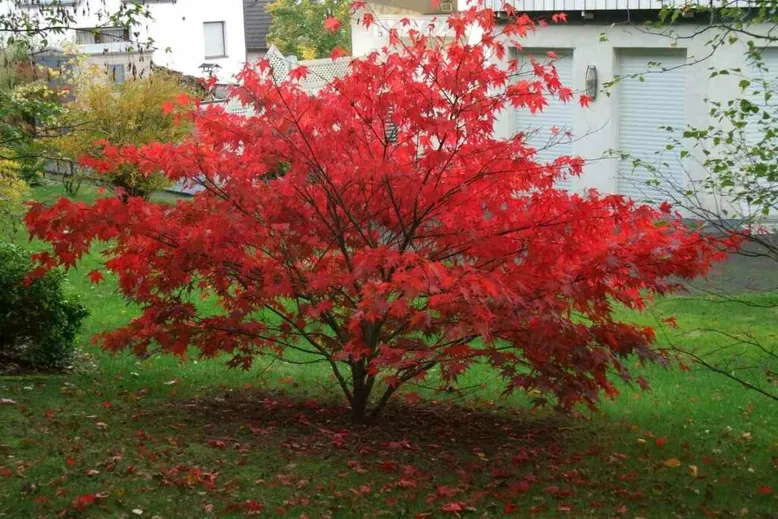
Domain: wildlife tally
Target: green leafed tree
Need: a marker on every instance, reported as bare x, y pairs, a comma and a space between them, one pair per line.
37, 23
298, 27
131, 113
730, 184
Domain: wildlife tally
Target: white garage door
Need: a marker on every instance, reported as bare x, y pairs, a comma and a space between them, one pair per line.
763, 78
647, 104
547, 129
768, 72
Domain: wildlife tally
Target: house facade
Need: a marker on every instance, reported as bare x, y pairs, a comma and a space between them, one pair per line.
665, 82
195, 37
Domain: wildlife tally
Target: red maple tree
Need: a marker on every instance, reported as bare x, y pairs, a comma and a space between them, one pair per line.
380, 227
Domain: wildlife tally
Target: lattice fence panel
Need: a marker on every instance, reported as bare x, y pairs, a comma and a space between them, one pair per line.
235, 107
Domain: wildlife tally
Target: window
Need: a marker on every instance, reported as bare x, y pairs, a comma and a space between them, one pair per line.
214, 40
116, 73
101, 35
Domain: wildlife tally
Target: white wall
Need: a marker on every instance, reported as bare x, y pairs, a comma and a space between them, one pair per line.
179, 27
596, 128
176, 28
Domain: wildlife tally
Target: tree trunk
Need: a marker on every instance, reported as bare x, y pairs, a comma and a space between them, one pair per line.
359, 402
361, 389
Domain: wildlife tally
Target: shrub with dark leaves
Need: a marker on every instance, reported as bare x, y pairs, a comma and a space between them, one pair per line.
39, 322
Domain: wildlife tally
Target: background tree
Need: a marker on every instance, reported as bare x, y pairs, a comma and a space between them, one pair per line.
12, 192
35, 23
27, 27
30, 114
298, 27
131, 113
403, 236
737, 193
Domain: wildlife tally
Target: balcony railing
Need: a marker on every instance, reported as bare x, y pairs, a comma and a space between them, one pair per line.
116, 47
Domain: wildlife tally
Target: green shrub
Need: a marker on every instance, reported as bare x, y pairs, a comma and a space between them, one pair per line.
38, 321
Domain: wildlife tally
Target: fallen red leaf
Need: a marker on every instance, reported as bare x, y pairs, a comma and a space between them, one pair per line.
81, 502
453, 507
444, 491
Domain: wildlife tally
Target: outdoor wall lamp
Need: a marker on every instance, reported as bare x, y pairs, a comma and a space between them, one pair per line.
591, 82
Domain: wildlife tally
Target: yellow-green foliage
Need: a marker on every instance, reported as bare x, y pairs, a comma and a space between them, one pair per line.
12, 192
298, 27
129, 113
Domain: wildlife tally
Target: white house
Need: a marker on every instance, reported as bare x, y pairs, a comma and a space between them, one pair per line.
189, 36
606, 38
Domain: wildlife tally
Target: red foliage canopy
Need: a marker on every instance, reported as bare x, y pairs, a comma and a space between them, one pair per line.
380, 227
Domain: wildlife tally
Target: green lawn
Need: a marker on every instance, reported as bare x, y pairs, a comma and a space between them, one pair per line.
196, 439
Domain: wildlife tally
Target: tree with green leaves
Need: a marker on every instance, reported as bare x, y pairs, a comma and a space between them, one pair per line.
734, 190
35, 22
299, 27
131, 113
30, 109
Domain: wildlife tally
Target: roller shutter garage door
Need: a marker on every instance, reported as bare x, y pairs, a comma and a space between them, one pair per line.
646, 105
764, 77
557, 117
768, 73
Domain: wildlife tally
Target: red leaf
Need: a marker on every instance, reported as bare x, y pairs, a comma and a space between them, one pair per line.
660, 442
254, 507
338, 52
406, 483
766, 490
453, 507
71, 461
332, 24
298, 73
387, 466
95, 276
584, 100
559, 18
82, 502
444, 491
